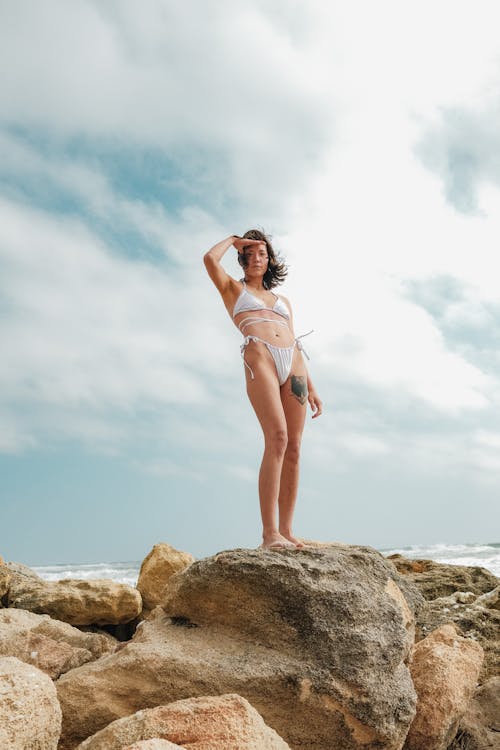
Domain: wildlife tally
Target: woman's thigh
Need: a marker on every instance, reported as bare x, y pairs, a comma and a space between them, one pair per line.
293, 394
264, 390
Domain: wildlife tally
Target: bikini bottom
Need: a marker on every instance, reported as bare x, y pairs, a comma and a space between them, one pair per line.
282, 355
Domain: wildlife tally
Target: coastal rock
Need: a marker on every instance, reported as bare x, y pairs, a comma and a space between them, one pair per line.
20, 573
480, 726
30, 716
490, 600
5, 577
99, 602
477, 617
155, 744
222, 722
444, 668
435, 579
317, 641
156, 569
53, 646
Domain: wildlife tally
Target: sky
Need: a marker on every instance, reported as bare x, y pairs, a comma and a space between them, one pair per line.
365, 138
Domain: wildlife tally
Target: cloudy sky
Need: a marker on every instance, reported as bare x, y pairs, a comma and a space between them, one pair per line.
365, 137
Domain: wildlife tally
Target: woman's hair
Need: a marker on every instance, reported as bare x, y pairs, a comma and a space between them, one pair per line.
276, 268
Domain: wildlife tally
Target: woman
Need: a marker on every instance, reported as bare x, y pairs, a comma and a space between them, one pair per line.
278, 384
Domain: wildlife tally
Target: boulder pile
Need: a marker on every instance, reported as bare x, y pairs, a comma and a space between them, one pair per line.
333, 647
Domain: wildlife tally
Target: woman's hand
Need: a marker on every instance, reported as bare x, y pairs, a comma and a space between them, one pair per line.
315, 402
239, 243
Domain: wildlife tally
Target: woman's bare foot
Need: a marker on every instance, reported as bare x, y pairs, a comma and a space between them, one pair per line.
291, 538
275, 540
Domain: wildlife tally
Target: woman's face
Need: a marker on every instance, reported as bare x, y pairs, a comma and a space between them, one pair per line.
257, 257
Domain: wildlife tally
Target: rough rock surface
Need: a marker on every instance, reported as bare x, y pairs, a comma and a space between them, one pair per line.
99, 602
222, 722
53, 646
435, 579
480, 726
475, 616
445, 668
155, 744
30, 716
156, 569
5, 577
317, 640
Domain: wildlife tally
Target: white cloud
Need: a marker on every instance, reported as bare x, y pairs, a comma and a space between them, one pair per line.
231, 98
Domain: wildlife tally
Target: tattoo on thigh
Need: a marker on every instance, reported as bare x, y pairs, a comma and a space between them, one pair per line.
299, 387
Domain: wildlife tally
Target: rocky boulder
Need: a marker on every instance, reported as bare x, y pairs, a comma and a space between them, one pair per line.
155, 744
445, 669
435, 579
476, 616
99, 602
317, 641
224, 722
53, 646
480, 726
5, 577
156, 570
30, 717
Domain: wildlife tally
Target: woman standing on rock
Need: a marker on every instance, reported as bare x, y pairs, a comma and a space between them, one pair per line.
278, 384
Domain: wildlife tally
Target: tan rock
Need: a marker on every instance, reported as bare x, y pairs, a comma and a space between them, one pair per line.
480, 726
444, 668
30, 716
156, 570
155, 744
222, 722
53, 646
5, 577
440, 579
20, 572
479, 619
99, 602
317, 641
490, 600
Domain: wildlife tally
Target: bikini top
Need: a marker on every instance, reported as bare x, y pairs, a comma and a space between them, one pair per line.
247, 301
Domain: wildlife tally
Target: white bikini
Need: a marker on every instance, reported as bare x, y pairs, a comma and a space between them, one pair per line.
282, 355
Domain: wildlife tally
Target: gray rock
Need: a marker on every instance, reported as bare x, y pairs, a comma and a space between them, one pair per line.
318, 641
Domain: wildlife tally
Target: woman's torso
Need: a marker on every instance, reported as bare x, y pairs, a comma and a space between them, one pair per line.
247, 309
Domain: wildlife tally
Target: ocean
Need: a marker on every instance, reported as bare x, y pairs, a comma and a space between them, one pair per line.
483, 555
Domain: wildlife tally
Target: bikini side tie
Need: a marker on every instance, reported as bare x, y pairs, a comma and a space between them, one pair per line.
299, 343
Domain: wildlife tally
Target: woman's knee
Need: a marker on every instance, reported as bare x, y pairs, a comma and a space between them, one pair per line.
277, 441
293, 450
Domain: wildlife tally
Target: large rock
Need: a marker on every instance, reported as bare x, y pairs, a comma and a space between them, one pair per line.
22, 573
5, 577
99, 602
444, 668
156, 570
475, 616
30, 716
53, 646
480, 726
435, 579
221, 722
317, 640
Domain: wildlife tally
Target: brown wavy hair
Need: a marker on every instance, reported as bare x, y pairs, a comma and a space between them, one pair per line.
276, 269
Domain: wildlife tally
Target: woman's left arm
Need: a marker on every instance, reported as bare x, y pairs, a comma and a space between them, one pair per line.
315, 402
312, 395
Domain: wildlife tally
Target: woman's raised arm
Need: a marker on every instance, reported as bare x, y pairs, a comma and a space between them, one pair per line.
212, 260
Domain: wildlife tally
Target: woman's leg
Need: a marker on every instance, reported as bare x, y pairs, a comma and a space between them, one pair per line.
294, 401
264, 395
